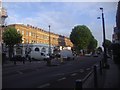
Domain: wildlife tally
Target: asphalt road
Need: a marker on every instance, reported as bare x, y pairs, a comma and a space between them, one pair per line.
36, 76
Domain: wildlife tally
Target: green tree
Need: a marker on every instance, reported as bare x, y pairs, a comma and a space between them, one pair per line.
92, 45
10, 38
107, 43
81, 37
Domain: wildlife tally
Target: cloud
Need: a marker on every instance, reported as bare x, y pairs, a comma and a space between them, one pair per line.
64, 16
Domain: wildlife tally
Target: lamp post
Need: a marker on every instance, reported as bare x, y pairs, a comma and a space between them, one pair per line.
49, 42
105, 64
49, 60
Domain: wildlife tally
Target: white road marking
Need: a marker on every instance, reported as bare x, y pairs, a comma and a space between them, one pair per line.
81, 70
61, 78
73, 74
44, 85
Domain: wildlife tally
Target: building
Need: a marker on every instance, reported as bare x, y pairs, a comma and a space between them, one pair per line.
3, 16
116, 34
31, 34
115, 46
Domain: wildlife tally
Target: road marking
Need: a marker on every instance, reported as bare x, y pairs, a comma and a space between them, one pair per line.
88, 69
61, 78
73, 74
44, 85
81, 70
19, 72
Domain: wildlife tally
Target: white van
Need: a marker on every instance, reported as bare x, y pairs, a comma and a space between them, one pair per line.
66, 54
38, 51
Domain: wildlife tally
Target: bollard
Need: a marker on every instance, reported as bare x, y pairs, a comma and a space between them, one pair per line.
14, 61
61, 59
95, 77
49, 62
78, 84
101, 67
23, 60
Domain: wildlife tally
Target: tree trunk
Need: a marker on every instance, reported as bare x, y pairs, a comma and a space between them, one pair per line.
10, 52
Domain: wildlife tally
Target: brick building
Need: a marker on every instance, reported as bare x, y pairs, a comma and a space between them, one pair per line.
31, 34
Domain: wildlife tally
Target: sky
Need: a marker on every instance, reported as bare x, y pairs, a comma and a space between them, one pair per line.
63, 16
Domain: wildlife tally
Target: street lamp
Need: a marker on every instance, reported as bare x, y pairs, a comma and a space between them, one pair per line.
49, 60
49, 42
105, 64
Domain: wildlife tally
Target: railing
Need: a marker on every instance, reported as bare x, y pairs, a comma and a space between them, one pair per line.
80, 82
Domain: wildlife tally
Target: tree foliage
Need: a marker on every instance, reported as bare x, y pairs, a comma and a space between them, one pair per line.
82, 38
92, 44
107, 43
10, 38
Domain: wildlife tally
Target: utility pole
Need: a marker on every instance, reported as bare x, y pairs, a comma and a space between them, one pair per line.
49, 60
105, 63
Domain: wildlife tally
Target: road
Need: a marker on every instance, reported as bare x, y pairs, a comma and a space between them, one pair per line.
36, 76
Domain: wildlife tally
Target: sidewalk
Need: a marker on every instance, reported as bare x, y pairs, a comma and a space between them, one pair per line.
110, 78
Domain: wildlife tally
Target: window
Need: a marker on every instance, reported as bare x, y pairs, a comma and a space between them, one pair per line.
27, 33
43, 50
18, 30
37, 49
22, 32
32, 41
27, 41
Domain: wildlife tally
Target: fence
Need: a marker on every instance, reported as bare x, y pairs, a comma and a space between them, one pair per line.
79, 83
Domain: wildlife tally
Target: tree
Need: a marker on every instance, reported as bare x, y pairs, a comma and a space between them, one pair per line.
108, 46
81, 37
92, 45
107, 43
10, 38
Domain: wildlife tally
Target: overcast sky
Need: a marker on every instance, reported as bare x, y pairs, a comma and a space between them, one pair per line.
63, 16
